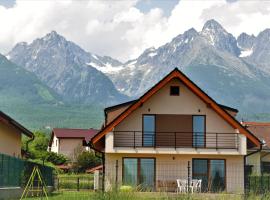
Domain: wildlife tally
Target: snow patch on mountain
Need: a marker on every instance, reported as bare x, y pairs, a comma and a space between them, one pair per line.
246, 53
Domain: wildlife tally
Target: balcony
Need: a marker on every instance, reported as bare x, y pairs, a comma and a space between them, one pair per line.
204, 140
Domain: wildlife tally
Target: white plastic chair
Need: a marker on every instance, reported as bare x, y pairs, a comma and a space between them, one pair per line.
181, 185
195, 185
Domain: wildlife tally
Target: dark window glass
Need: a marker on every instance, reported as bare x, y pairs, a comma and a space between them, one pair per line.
211, 172
147, 170
149, 130
175, 91
217, 175
139, 171
266, 167
198, 131
130, 171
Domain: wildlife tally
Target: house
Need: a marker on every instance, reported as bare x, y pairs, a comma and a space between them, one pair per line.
174, 131
11, 135
259, 160
70, 142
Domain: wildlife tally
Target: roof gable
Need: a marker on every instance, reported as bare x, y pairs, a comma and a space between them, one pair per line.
192, 87
8, 120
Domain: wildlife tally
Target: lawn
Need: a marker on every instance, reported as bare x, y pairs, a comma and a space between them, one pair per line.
88, 195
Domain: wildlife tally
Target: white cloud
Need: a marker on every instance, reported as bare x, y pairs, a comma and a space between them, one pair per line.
118, 28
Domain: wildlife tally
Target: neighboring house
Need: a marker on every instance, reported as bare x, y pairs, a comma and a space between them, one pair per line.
69, 142
11, 135
174, 131
259, 161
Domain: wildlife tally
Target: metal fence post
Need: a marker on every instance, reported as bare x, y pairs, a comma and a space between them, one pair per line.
188, 175
78, 184
116, 174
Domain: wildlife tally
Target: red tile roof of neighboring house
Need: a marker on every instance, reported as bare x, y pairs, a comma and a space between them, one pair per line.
92, 170
85, 134
261, 130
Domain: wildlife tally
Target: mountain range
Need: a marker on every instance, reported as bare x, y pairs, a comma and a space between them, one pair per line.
57, 72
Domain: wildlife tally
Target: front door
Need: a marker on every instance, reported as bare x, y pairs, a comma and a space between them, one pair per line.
139, 172
211, 172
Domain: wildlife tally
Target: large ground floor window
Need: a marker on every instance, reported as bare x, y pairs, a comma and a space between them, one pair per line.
212, 172
139, 172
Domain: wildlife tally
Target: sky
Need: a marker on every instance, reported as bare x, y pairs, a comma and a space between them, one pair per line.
123, 29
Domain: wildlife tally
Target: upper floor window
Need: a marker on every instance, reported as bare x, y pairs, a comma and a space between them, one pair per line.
174, 91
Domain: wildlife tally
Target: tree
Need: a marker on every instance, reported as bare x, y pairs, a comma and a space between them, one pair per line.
86, 160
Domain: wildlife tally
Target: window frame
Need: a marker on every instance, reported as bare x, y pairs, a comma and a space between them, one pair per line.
209, 169
154, 134
204, 146
139, 169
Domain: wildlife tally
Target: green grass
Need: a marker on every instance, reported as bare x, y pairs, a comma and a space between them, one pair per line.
83, 195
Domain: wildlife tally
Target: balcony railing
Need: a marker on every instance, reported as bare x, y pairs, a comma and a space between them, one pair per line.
204, 140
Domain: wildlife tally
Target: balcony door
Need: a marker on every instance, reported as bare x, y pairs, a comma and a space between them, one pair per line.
149, 130
139, 172
212, 173
198, 122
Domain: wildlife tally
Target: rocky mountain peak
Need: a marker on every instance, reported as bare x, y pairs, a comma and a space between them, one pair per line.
213, 26
217, 36
245, 41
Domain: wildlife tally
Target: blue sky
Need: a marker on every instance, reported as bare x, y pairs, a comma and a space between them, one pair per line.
166, 5
7, 3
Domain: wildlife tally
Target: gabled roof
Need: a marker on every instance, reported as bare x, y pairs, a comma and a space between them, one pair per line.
85, 134
8, 120
195, 89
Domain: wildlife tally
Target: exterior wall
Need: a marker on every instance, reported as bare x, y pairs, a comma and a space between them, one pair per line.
186, 103
10, 142
114, 113
255, 161
172, 167
70, 147
55, 145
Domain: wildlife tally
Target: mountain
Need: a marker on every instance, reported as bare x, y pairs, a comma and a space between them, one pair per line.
214, 59
67, 69
18, 84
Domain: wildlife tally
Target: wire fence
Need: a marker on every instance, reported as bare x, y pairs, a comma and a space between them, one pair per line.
15, 172
150, 174
75, 182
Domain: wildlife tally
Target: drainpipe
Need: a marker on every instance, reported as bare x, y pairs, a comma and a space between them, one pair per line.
103, 163
28, 141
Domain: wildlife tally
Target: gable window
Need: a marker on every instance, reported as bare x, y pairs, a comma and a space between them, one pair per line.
149, 129
174, 91
198, 123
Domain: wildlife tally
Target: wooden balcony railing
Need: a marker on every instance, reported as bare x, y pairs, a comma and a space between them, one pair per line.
176, 139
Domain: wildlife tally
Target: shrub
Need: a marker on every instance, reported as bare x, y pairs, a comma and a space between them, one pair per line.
55, 158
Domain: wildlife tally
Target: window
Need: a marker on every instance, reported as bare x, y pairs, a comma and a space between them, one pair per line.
211, 172
139, 171
174, 91
198, 130
149, 128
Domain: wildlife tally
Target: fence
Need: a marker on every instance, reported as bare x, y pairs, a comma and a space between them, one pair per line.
257, 180
75, 182
161, 174
15, 172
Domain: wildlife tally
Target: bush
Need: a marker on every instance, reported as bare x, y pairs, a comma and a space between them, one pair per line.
56, 159
86, 160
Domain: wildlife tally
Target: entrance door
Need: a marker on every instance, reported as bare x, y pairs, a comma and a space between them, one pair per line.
211, 172
139, 172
